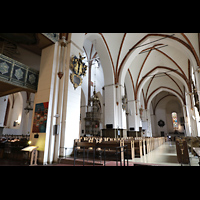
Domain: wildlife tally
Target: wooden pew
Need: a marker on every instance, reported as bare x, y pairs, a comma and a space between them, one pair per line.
152, 143
81, 147
147, 145
195, 142
112, 147
130, 148
143, 146
182, 151
138, 148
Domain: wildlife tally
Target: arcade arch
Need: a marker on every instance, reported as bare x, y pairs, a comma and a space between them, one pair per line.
162, 106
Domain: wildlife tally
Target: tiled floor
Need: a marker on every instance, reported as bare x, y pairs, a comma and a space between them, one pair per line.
164, 155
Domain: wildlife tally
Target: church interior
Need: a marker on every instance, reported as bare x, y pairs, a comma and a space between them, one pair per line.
100, 99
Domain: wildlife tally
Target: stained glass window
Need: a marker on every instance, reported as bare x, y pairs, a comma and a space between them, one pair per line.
174, 120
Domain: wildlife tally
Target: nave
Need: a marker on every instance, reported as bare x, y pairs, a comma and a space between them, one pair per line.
162, 155
58, 87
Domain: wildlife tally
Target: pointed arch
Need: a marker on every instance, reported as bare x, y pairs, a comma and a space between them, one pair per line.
163, 88
105, 56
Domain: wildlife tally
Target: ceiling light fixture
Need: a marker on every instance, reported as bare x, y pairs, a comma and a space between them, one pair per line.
152, 42
152, 49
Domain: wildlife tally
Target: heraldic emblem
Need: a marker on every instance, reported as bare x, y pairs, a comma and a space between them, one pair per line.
79, 69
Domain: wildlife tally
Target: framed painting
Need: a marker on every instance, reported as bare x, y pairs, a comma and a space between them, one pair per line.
40, 118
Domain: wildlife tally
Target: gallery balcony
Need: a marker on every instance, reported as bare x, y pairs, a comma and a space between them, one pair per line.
20, 55
15, 77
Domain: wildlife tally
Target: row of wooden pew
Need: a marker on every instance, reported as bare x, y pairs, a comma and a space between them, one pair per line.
192, 142
136, 146
140, 146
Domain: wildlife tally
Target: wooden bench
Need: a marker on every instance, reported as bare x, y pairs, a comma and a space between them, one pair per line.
81, 147
195, 142
115, 148
147, 145
155, 142
130, 148
112, 147
138, 148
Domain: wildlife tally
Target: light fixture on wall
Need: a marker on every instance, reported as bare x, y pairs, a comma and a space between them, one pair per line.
198, 69
63, 44
28, 107
16, 122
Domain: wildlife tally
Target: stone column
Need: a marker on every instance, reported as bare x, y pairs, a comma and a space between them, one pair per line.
46, 92
137, 115
121, 120
72, 100
147, 120
186, 120
110, 105
131, 116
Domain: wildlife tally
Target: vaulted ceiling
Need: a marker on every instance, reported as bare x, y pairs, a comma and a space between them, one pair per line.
153, 62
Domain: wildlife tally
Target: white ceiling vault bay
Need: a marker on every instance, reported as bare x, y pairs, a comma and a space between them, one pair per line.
151, 61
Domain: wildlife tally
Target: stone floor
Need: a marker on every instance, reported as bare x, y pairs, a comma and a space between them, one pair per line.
164, 155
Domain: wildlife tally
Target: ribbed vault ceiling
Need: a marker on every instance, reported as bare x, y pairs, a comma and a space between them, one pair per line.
152, 61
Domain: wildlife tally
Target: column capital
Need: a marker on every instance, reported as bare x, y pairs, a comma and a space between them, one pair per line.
189, 93
197, 69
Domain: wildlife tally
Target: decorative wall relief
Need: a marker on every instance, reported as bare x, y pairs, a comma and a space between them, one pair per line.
19, 74
4, 68
124, 102
161, 123
79, 69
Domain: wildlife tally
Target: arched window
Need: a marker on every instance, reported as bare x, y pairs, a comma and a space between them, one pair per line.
174, 120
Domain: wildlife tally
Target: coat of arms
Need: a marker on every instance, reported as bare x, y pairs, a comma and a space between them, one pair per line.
79, 69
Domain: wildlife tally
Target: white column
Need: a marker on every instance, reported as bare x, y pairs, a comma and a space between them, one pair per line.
186, 121
46, 93
131, 116
148, 131
188, 110
154, 125
71, 107
197, 119
59, 138
110, 105
194, 118
197, 78
72, 117
121, 120
137, 120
